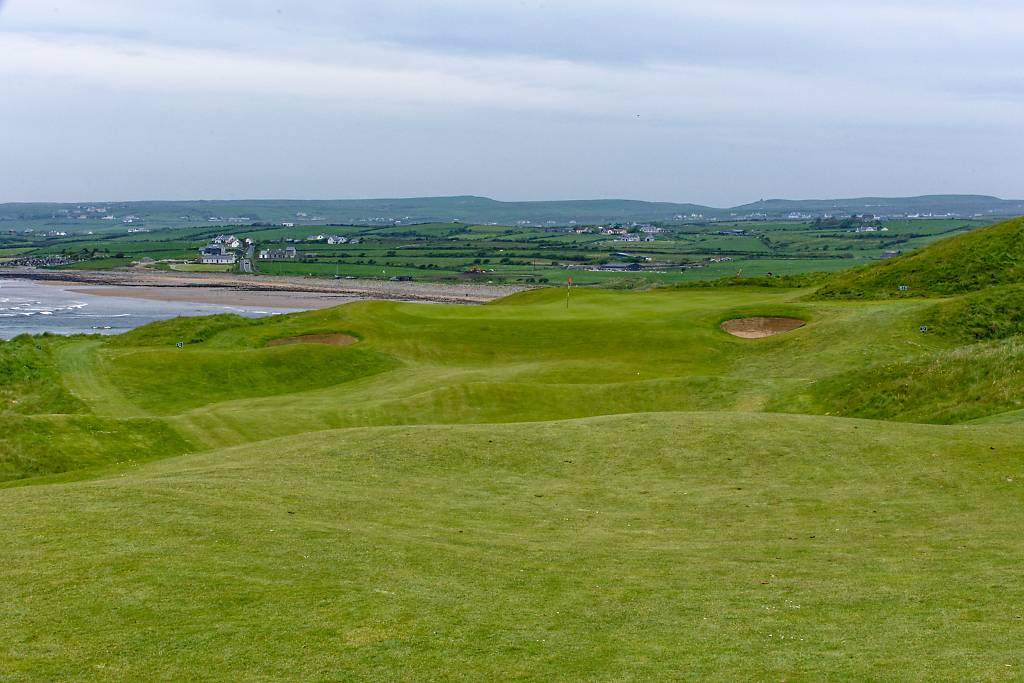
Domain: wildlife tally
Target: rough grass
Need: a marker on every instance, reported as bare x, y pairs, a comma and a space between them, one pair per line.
189, 330
170, 381
46, 445
30, 382
993, 313
948, 387
970, 262
699, 547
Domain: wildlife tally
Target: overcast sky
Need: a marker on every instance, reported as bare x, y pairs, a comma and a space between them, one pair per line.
717, 102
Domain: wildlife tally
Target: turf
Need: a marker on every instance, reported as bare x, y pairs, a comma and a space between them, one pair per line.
644, 547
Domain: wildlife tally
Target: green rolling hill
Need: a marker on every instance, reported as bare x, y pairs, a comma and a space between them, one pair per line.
472, 209
612, 490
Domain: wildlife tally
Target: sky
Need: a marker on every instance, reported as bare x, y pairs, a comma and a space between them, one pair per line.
717, 103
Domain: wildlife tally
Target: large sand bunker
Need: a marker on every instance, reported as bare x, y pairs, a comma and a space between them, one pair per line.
333, 339
760, 326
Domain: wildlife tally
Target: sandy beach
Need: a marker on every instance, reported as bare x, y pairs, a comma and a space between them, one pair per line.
218, 295
270, 291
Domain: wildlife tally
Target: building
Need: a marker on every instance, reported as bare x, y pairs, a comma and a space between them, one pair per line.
229, 241
287, 253
216, 254
336, 239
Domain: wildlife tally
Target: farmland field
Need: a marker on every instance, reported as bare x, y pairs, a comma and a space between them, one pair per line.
519, 254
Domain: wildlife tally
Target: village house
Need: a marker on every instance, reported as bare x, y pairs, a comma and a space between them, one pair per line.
216, 254
336, 239
229, 241
278, 254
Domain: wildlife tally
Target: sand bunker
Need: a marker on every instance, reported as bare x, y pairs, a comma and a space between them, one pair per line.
760, 326
333, 339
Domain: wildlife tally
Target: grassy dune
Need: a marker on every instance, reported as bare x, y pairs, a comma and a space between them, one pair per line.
613, 489
970, 262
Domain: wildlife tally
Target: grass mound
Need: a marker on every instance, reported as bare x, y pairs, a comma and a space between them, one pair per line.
46, 445
30, 381
970, 262
165, 382
993, 313
189, 329
644, 547
945, 387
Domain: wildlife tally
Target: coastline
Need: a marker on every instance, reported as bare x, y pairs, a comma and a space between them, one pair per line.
222, 288
222, 296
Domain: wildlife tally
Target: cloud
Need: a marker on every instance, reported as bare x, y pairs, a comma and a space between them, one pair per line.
756, 77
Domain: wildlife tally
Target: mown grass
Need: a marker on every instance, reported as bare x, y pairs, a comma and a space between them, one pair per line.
646, 547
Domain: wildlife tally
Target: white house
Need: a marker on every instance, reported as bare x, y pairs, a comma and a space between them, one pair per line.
229, 241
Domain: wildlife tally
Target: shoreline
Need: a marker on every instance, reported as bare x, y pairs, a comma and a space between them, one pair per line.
206, 287
220, 296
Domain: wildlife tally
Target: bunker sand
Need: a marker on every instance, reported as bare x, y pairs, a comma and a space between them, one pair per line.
758, 327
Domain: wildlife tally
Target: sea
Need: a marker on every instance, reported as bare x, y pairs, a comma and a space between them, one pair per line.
28, 307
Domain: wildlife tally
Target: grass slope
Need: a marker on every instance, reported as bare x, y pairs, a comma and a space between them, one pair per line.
698, 546
966, 263
959, 385
990, 314
30, 380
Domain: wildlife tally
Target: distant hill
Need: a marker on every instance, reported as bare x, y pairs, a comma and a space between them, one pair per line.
962, 204
470, 209
985, 257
